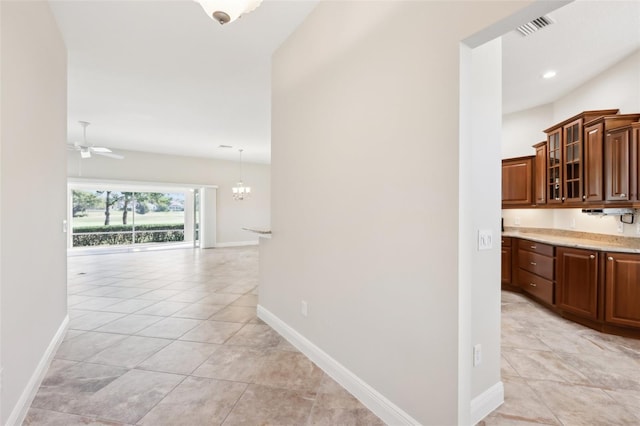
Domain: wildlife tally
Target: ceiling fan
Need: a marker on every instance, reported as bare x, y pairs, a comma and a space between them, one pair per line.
87, 150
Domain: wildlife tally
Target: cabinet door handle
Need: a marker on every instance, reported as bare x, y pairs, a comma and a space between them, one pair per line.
533, 263
609, 258
534, 247
591, 256
533, 285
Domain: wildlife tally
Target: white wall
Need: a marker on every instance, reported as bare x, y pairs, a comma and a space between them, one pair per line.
365, 204
33, 196
232, 215
480, 177
521, 130
617, 87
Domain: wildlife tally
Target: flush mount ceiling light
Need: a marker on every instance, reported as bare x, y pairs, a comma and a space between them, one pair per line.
240, 192
549, 74
225, 11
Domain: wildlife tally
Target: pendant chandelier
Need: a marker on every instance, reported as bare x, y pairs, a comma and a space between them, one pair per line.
240, 191
225, 11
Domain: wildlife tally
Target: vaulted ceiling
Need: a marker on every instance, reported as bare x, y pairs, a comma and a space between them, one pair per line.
161, 76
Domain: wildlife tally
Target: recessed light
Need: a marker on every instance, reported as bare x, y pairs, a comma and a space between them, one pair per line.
549, 74
225, 146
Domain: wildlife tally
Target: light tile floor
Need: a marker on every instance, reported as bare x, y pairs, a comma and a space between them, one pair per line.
171, 338
557, 372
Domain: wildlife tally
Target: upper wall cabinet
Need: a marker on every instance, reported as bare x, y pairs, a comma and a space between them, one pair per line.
565, 158
635, 162
608, 158
540, 173
517, 182
589, 160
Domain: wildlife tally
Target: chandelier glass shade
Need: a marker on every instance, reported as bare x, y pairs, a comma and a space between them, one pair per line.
225, 11
240, 191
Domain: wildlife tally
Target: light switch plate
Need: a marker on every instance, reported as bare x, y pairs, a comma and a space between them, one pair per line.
485, 239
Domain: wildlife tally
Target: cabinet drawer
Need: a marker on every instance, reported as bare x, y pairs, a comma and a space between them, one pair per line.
506, 241
536, 286
536, 263
532, 246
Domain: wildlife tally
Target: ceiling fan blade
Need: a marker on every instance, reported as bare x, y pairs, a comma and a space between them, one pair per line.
100, 149
110, 155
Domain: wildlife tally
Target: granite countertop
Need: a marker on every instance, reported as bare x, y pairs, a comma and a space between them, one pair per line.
262, 233
584, 240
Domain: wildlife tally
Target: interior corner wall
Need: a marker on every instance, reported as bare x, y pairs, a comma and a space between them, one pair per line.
33, 196
365, 195
232, 215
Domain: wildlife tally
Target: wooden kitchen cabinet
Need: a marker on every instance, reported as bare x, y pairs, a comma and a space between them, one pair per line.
577, 281
565, 158
594, 162
506, 260
517, 182
540, 173
572, 161
635, 163
536, 269
622, 289
554, 167
617, 157
606, 163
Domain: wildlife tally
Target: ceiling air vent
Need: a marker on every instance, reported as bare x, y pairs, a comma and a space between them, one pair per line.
535, 25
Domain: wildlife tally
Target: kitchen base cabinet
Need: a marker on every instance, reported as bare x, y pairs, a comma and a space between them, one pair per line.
622, 289
506, 261
596, 289
536, 270
577, 281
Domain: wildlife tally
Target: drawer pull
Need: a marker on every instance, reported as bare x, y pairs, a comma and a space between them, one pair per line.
533, 285
533, 263
591, 256
623, 195
609, 258
534, 247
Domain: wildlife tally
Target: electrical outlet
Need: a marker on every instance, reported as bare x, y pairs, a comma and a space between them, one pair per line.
485, 239
620, 228
477, 355
304, 308
64, 226
572, 225
516, 221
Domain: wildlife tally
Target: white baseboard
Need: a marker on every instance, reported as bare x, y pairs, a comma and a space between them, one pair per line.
237, 244
486, 402
389, 412
21, 408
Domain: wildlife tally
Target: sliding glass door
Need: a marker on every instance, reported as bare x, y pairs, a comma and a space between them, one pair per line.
112, 217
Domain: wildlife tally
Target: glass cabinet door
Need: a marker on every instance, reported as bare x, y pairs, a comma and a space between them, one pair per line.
554, 167
573, 161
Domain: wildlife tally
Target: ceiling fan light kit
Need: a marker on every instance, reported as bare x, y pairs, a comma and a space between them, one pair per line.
225, 11
86, 150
